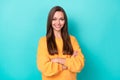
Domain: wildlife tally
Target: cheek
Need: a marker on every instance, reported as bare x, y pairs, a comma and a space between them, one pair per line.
53, 22
62, 22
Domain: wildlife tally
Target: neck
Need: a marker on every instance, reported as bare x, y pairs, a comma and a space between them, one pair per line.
57, 34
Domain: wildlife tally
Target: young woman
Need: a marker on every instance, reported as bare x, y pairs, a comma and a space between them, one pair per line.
59, 55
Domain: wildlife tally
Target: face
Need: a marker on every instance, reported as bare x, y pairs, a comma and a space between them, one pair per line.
58, 21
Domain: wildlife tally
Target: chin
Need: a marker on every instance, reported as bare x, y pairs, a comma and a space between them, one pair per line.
58, 29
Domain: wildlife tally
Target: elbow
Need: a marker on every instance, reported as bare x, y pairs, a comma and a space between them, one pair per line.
82, 65
79, 67
44, 72
48, 74
48, 69
39, 68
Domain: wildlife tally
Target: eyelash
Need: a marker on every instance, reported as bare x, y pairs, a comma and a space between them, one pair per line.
60, 19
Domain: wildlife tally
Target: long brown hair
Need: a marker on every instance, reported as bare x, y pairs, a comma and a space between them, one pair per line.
51, 44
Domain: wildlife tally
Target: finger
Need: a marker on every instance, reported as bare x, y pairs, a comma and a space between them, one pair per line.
75, 53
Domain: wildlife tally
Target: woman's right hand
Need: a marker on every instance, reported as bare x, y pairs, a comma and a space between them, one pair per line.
64, 67
75, 53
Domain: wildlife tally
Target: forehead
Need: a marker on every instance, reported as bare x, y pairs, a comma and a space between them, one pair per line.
58, 14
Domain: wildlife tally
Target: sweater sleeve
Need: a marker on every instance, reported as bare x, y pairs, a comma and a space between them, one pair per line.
75, 64
44, 64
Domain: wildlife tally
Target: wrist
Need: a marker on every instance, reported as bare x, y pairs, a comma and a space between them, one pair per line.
61, 60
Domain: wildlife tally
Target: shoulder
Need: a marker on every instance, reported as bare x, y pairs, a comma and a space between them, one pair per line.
72, 38
42, 39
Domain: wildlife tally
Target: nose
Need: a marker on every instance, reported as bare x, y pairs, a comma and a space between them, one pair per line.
58, 22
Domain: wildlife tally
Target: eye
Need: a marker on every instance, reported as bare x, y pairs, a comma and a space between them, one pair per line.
62, 19
53, 18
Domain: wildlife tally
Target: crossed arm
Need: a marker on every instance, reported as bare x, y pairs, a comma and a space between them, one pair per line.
50, 67
62, 60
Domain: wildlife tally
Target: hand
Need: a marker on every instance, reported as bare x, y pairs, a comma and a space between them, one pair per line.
64, 67
56, 60
61, 61
75, 53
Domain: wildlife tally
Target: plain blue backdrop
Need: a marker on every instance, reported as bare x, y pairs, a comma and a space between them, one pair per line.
95, 24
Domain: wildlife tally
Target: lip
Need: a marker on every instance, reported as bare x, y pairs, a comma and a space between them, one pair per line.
58, 26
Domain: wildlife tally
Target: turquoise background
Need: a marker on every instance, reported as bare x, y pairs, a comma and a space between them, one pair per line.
95, 24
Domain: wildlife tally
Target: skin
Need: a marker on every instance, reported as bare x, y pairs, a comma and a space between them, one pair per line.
58, 22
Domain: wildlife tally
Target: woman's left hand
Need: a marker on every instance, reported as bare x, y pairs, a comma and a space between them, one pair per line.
58, 60
55, 60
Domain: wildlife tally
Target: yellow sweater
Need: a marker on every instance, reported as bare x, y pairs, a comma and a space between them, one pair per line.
53, 71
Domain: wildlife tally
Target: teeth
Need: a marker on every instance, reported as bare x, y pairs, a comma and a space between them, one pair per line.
57, 26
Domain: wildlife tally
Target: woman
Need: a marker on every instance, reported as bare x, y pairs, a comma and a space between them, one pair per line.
59, 55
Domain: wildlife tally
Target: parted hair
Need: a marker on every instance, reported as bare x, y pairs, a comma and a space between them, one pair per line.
50, 37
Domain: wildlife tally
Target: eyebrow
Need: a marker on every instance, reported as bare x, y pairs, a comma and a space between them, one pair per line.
56, 17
